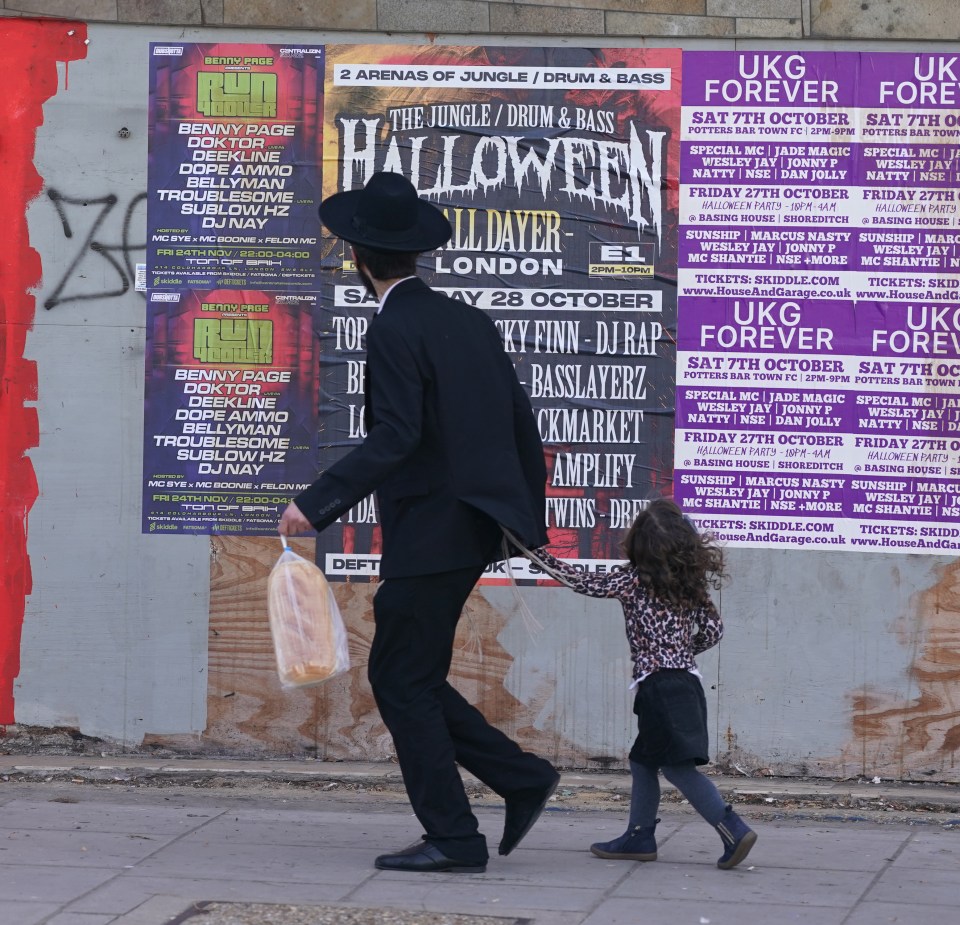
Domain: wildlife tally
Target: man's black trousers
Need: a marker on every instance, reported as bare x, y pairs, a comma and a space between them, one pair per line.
433, 727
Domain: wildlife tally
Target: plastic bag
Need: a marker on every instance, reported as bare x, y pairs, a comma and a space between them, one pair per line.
309, 638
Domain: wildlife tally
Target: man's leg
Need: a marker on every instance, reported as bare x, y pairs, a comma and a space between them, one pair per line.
416, 620
525, 781
487, 753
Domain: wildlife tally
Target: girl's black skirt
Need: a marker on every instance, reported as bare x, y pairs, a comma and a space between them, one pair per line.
671, 719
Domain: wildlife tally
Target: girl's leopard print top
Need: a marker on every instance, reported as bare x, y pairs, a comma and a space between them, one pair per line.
660, 635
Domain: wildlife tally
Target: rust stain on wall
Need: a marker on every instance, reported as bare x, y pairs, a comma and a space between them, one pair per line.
915, 733
249, 713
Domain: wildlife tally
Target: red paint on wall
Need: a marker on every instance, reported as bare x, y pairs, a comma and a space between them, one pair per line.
28, 76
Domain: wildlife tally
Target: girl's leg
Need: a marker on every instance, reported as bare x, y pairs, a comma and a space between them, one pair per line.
644, 795
638, 842
738, 838
699, 790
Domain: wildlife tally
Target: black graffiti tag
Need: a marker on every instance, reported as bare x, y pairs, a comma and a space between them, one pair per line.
119, 256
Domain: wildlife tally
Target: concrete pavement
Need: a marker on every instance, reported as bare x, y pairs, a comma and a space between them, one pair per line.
129, 842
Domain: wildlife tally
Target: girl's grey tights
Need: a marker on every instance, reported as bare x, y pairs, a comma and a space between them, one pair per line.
702, 795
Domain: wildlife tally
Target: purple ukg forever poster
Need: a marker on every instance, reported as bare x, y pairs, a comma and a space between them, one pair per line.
818, 372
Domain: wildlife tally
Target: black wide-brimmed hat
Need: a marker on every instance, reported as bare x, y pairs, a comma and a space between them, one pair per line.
386, 215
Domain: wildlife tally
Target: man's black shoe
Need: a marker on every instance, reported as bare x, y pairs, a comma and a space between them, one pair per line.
523, 810
425, 858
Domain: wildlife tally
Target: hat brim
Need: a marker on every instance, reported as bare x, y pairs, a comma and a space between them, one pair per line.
430, 231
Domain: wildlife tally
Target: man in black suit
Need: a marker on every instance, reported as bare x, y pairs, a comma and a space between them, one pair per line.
453, 452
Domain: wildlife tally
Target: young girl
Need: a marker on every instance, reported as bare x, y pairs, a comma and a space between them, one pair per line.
670, 619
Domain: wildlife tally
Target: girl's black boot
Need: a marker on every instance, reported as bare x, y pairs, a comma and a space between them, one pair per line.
738, 839
636, 844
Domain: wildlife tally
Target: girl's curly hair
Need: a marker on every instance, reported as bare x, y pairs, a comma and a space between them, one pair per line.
672, 559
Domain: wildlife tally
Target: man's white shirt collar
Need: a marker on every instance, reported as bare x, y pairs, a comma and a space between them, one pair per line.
383, 298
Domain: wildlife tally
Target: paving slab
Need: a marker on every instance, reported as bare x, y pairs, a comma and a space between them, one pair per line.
926, 887
930, 851
750, 883
78, 848
451, 893
47, 883
27, 913
80, 918
129, 893
299, 827
80, 815
886, 913
195, 858
692, 912
808, 847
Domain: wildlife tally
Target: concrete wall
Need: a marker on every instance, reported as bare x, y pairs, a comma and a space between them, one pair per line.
833, 665
887, 20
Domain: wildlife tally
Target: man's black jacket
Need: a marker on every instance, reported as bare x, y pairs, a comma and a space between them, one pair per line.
450, 433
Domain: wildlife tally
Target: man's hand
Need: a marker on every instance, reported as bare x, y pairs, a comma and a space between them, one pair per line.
293, 523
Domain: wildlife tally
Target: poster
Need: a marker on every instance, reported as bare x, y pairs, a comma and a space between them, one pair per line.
233, 167
230, 419
557, 169
818, 370
232, 289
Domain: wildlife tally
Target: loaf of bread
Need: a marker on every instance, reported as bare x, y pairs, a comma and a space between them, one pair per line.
308, 634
